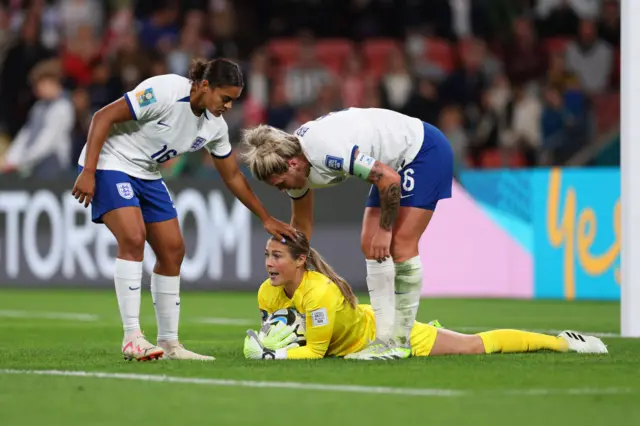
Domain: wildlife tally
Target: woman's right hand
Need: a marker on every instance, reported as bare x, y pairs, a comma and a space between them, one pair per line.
84, 187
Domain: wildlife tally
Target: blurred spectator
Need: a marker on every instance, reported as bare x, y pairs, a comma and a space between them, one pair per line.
558, 75
160, 30
104, 87
585, 9
15, 96
464, 86
279, 113
590, 58
353, 82
560, 20
451, 123
609, 25
424, 102
75, 14
79, 53
397, 83
6, 36
131, 63
525, 58
523, 131
83, 113
304, 80
42, 147
258, 81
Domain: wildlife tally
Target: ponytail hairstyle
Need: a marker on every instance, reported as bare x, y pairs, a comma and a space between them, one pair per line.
218, 72
300, 247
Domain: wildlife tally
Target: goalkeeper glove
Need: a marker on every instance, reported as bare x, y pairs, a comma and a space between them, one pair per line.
253, 348
278, 336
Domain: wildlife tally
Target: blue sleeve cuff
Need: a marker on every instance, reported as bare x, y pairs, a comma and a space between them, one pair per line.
131, 110
352, 159
222, 157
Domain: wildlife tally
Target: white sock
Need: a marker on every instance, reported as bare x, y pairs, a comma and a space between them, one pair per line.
380, 277
165, 292
128, 281
408, 286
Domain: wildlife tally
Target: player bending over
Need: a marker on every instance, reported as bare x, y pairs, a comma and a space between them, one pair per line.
410, 165
162, 118
336, 325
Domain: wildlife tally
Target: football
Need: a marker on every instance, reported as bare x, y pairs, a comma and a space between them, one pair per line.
288, 316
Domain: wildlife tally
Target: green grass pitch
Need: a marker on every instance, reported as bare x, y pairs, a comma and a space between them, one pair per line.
79, 331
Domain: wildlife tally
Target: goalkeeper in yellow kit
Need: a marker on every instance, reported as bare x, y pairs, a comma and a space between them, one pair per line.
336, 325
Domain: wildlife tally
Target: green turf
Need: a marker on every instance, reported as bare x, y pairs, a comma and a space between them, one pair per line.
491, 384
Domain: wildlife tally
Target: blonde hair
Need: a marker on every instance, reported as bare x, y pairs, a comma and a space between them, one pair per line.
300, 246
267, 150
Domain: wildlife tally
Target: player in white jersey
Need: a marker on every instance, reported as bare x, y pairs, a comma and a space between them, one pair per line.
163, 117
409, 163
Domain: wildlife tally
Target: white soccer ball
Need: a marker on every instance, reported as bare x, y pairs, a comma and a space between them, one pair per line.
289, 317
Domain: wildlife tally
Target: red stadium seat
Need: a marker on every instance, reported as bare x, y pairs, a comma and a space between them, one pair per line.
441, 53
333, 52
491, 159
376, 54
284, 50
495, 159
556, 44
607, 112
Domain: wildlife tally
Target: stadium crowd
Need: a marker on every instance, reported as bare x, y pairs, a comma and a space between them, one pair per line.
510, 82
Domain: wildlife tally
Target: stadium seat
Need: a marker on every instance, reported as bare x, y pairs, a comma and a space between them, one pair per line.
495, 159
607, 112
284, 50
376, 54
556, 44
441, 53
333, 52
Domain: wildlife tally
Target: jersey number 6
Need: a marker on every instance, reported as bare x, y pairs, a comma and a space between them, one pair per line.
408, 183
163, 155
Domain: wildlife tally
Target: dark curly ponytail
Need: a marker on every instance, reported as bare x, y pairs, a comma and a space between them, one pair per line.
218, 72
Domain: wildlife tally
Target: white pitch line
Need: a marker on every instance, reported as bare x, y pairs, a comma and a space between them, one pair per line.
245, 383
378, 390
226, 321
48, 315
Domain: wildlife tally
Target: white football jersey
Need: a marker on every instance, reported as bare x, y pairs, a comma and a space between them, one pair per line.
329, 143
164, 127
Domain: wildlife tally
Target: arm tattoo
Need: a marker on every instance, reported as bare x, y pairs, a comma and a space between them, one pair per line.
389, 198
389, 206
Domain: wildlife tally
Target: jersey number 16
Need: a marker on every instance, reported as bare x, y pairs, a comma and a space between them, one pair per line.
163, 155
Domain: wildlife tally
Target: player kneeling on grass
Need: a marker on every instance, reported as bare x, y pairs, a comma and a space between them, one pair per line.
336, 325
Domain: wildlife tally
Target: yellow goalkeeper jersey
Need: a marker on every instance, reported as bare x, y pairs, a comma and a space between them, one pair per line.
333, 327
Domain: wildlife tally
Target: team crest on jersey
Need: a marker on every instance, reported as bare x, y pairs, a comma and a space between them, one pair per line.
125, 190
198, 143
145, 97
334, 163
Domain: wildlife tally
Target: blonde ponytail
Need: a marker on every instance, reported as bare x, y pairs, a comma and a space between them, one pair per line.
319, 264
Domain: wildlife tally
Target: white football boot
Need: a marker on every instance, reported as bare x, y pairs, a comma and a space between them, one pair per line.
173, 350
583, 344
380, 350
136, 346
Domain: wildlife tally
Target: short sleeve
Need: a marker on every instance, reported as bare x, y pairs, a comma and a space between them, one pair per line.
151, 98
220, 145
329, 154
297, 194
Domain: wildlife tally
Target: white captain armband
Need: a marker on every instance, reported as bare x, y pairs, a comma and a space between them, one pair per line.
362, 165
